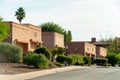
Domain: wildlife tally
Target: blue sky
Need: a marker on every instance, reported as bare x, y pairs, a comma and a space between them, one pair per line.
85, 18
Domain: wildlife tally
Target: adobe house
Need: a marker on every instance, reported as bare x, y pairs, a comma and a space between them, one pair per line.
52, 39
83, 48
26, 36
101, 50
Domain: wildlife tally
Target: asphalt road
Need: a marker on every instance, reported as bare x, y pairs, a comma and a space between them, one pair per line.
112, 73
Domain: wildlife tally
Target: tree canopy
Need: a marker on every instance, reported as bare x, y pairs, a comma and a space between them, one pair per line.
4, 31
52, 27
113, 44
1, 18
20, 14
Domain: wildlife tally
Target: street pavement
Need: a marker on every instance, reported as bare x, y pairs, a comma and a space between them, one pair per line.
94, 73
34, 74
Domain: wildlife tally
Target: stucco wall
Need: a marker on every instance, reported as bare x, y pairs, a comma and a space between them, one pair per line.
82, 48
101, 52
90, 49
24, 34
52, 39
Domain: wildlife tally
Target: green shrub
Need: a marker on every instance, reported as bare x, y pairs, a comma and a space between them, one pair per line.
63, 59
87, 60
109, 64
76, 58
58, 64
57, 51
36, 60
60, 51
101, 61
27, 59
112, 59
10, 53
40, 61
43, 50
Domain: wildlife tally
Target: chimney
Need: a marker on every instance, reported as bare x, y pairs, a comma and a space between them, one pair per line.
93, 39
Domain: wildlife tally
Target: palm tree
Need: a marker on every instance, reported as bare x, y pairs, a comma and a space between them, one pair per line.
20, 14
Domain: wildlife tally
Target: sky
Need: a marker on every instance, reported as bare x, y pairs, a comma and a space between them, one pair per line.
85, 18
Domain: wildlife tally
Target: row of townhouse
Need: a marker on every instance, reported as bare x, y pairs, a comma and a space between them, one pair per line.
92, 48
29, 37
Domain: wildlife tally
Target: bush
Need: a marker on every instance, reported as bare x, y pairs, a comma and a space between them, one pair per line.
43, 50
58, 64
63, 59
27, 59
60, 51
36, 60
40, 61
10, 53
87, 60
57, 51
76, 58
112, 59
101, 61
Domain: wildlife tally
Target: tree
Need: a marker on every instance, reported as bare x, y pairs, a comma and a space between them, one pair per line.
65, 37
52, 27
69, 36
114, 46
1, 18
112, 58
20, 14
4, 31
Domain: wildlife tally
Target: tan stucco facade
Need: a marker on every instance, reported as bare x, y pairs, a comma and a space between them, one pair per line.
26, 36
83, 48
52, 39
101, 52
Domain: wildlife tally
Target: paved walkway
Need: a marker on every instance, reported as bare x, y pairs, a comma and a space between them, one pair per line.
39, 73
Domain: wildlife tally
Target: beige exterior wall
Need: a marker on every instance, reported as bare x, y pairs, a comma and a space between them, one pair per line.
24, 35
90, 49
83, 48
101, 52
52, 39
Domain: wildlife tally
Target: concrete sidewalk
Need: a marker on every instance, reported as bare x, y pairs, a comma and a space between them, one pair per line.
29, 75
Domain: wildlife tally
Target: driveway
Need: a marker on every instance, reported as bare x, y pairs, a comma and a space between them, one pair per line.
99, 73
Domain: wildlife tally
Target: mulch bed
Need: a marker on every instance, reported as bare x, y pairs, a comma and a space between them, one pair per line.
15, 68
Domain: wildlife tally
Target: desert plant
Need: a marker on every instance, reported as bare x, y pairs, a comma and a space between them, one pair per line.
36, 60
63, 59
57, 51
112, 59
101, 61
58, 64
87, 60
40, 61
76, 58
11, 53
27, 59
60, 51
43, 50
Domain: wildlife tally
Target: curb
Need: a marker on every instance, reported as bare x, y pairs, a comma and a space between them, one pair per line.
29, 75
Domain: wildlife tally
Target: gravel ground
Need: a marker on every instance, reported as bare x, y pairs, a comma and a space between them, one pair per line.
15, 68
